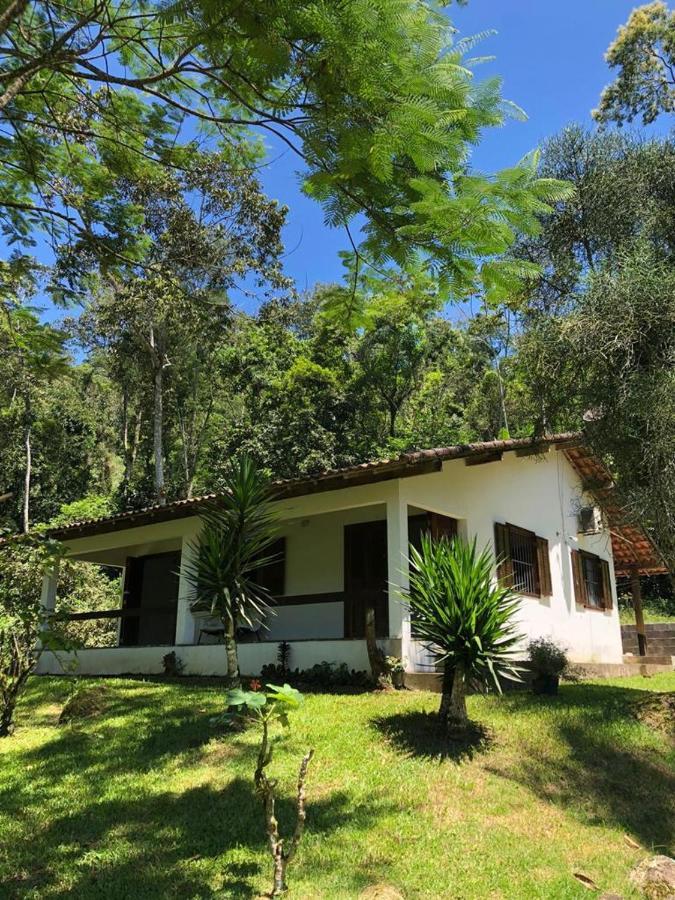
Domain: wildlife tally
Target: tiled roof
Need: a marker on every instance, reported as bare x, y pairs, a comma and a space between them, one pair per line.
630, 545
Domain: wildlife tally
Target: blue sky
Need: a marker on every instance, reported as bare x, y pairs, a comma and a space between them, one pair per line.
550, 56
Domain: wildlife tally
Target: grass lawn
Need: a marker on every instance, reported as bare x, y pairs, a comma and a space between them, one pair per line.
627, 617
149, 799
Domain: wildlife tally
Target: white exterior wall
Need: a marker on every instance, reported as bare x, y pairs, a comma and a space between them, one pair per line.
202, 660
540, 493
315, 565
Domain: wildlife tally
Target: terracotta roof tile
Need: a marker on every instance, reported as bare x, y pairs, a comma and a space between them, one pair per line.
631, 546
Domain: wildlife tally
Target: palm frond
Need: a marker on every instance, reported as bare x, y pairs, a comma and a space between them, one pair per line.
238, 530
460, 613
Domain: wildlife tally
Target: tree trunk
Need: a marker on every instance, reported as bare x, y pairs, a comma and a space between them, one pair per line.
448, 678
455, 718
378, 667
28, 472
393, 413
231, 651
157, 433
265, 787
502, 396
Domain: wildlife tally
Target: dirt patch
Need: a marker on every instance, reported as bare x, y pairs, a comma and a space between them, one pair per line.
381, 892
86, 703
658, 712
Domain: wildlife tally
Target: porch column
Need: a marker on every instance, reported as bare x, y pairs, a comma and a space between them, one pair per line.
185, 623
50, 581
397, 565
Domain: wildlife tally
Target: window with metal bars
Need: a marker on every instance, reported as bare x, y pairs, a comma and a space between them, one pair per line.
593, 581
522, 560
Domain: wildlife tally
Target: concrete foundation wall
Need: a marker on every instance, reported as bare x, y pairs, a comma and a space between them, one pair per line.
205, 659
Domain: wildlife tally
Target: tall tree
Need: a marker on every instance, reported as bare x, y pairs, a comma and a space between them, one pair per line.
644, 53
32, 355
611, 365
596, 348
375, 97
205, 231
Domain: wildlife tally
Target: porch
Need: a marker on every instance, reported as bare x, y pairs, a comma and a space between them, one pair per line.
338, 554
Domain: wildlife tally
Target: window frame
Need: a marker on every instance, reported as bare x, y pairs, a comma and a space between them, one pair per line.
580, 583
531, 537
504, 531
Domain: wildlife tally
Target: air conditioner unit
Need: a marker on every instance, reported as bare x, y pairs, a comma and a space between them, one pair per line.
589, 520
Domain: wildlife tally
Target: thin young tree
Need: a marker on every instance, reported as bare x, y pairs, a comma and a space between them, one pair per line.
465, 618
33, 355
233, 545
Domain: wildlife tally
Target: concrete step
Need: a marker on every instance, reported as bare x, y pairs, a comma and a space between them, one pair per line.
651, 659
654, 648
652, 627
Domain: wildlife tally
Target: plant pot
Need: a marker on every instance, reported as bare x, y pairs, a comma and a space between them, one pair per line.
398, 679
546, 684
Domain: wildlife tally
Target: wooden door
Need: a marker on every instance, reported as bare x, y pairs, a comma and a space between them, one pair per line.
366, 577
131, 599
151, 584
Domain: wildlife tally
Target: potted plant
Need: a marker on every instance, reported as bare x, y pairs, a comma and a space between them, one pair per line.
396, 669
548, 663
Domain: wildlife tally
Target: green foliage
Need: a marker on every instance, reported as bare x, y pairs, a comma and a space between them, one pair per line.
547, 658
612, 361
644, 53
463, 616
322, 676
92, 506
273, 705
374, 96
222, 563
22, 618
238, 530
597, 350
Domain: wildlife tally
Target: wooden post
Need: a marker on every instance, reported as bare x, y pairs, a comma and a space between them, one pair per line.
639, 615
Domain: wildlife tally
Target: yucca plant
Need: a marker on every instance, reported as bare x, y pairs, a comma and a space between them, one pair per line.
465, 619
238, 530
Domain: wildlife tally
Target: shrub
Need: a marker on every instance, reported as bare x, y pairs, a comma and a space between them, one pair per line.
547, 658
466, 620
173, 664
321, 675
23, 621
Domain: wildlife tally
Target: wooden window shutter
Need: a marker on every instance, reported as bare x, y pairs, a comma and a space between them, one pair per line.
578, 578
606, 584
543, 563
442, 526
503, 554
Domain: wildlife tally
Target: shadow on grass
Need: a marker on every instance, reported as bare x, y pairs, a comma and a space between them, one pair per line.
200, 842
169, 845
138, 729
421, 734
605, 773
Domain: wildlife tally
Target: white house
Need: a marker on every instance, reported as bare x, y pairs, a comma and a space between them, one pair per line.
345, 535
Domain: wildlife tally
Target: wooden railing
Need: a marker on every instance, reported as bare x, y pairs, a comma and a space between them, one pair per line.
134, 613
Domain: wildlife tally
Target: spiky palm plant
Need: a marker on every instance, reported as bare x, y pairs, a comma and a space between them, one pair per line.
466, 620
238, 530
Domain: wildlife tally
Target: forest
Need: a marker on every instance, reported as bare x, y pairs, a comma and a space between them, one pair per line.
537, 299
